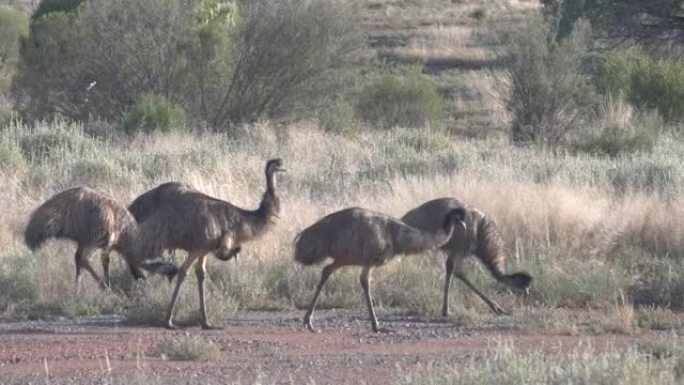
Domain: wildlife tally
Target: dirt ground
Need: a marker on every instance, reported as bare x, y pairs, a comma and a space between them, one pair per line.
255, 347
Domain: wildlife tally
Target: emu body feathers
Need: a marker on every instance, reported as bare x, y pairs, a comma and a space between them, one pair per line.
94, 221
361, 237
481, 239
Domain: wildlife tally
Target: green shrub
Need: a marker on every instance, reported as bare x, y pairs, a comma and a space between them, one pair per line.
660, 86
154, 113
614, 74
545, 91
289, 53
647, 83
401, 98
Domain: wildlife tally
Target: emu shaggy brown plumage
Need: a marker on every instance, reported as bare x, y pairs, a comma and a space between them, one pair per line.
480, 239
201, 224
94, 221
360, 237
150, 201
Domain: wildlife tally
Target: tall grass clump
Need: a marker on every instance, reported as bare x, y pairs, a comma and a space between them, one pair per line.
543, 87
187, 347
18, 289
506, 365
621, 130
403, 98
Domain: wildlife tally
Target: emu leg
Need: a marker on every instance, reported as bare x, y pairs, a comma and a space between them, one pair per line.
493, 305
308, 318
447, 285
182, 272
105, 268
365, 284
82, 258
201, 271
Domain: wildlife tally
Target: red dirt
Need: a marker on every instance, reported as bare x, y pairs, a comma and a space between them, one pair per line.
265, 347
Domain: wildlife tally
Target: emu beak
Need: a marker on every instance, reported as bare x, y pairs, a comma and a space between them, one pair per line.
281, 169
463, 224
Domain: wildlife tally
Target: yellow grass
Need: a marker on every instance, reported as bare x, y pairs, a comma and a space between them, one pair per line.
559, 215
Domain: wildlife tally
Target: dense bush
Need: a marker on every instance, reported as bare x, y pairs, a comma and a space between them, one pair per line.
648, 83
222, 60
546, 93
401, 98
154, 113
288, 55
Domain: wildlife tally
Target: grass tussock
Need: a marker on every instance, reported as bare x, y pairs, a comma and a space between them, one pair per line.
187, 347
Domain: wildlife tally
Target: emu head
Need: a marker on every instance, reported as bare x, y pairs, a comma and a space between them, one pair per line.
456, 216
274, 165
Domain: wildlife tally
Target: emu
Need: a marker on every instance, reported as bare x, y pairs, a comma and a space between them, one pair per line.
94, 221
480, 239
200, 224
361, 237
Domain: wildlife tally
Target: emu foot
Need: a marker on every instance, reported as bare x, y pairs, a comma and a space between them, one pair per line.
207, 326
445, 313
309, 325
228, 254
498, 310
171, 326
382, 330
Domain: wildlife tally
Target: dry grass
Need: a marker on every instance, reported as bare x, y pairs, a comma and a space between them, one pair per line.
589, 229
509, 365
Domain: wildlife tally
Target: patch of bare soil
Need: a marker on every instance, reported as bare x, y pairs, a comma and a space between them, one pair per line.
264, 347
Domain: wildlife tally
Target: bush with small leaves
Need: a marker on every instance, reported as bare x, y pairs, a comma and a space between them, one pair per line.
401, 98
154, 113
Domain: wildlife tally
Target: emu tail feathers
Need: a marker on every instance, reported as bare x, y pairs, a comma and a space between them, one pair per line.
308, 250
167, 269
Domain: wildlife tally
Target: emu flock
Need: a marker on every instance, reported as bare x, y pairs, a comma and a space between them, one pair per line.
177, 216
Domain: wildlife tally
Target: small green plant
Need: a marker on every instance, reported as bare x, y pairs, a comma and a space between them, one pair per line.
401, 99
187, 348
154, 113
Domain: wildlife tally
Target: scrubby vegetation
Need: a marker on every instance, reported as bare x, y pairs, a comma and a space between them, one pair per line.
572, 144
507, 365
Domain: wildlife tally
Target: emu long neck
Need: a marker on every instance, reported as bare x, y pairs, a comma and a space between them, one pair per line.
409, 240
260, 220
127, 244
